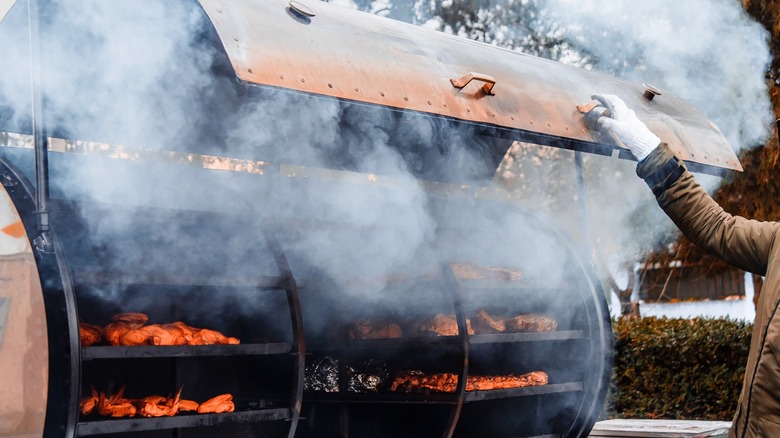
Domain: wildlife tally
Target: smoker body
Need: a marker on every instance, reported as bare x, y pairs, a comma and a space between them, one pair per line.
294, 250
251, 293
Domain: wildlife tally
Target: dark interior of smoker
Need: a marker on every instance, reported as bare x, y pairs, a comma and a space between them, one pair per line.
239, 265
238, 272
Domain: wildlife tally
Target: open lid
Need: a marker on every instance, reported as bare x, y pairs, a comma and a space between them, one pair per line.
324, 50
5, 6
318, 48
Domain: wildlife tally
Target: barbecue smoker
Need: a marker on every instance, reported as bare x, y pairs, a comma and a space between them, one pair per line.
435, 308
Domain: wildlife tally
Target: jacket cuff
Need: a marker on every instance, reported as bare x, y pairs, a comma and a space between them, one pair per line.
660, 169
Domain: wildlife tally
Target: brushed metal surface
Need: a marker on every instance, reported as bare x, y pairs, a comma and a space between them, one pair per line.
356, 56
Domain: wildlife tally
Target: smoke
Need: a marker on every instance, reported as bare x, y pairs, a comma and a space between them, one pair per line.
15, 88
110, 69
139, 73
709, 52
149, 75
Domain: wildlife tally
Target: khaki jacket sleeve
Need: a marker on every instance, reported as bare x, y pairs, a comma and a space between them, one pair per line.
746, 244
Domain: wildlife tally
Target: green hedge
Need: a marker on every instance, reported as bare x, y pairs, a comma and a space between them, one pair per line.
677, 368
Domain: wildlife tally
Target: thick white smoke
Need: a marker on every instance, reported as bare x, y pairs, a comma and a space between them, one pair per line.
709, 52
137, 71
140, 74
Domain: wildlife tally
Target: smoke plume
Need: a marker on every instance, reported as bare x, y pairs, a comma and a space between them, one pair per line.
149, 75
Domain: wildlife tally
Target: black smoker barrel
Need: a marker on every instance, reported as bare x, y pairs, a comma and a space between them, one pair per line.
237, 272
302, 224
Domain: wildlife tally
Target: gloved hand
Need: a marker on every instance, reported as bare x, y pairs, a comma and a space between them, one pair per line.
623, 123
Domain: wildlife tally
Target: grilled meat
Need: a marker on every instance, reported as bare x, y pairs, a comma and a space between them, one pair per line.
530, 322
217, 405
123, 323
115, 331
484, 323
157, 406
115, 405
88, 404
375, 329
447, 382
134, 320
152, 406
417, 382
181, 332
136, 337
487, 383
152, 399
188, 405
152, 334
211, 337
442, 325
128, 329
90, 334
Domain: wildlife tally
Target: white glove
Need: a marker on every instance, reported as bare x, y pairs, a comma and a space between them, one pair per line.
623, 123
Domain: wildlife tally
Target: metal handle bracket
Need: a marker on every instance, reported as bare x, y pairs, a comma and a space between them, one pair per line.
489, 81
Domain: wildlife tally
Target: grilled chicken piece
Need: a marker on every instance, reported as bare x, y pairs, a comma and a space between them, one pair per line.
217, 405
158, 406
155, 334
185, 329
212, 337
115, 405
181, 332
134, 320
88, 404
90, 334
188, 405
152, 399
137, 337
115, 331
159, 335
128, 329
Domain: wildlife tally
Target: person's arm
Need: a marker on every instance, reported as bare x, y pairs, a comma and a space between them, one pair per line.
746, 244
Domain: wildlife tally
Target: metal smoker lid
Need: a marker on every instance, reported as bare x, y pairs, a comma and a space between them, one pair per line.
319, 48
5, 6
322, 49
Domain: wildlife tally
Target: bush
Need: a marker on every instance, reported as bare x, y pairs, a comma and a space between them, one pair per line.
677, 368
